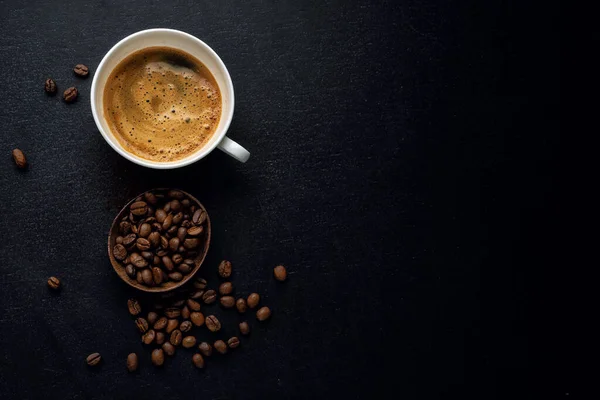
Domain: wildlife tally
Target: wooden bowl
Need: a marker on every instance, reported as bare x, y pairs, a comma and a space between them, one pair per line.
170, 285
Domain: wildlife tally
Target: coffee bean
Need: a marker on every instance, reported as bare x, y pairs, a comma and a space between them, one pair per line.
147, 277
144, 230
134, 228
129, 239
119, 240
152, 318
175, 194
220, 346
119, 252
185, 312
188, 342
178, 303
138, 261
185, 326
154, 239
168, 348
148, 255
93, 359
172, 324
157, 275
181, 232
175, 205
209, 296
225, 269
197, 318
168, 263
177, 259
253, 300
200, 283
124, 227
134, 307
212, 323
161, 323
193, 305
195, 230
160, 216
205, 349
50, 86
160, 338
199, 217
227, 301
81, 70
225, 288
191, 243
185, 203
167, 208
181, 250
172, 312
130, 271
280, 273
241, 305
70, 95
150, 198
244, 328
149, 336
176, 276
233, 342
156, 260
263, 313
158, 357
138, 277
174, 244
184, 269
186, 224
198, 361
139, 208
143, 244
167, 222
176, 337
141, 324
54, 283
197, 294
132, 362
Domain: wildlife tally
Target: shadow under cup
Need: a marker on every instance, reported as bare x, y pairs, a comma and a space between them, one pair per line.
181, 41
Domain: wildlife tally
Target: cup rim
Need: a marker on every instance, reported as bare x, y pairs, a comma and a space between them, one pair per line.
201, 153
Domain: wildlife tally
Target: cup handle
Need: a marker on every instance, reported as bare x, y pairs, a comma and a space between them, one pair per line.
233, 149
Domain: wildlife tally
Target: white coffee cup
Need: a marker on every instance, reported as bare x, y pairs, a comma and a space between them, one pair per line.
191, 45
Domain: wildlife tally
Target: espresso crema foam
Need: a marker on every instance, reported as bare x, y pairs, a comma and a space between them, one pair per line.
162, 104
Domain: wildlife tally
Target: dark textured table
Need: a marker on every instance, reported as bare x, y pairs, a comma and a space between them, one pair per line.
401, 166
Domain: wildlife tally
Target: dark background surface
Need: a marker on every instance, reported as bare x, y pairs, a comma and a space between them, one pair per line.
401, 168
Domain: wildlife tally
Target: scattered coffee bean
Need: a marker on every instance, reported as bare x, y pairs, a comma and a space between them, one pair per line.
185, 326
50, 86
225, 269
172, 312
70, 95
185, 312
168, 348
227, 301
253, 300
280, 273
233, 342
212, 323
93, 359
193, 305
176, 337
179, 303
225, 288
81, 70
160, 338
141, 324
172, 324
132, 362
134, 307
241, 305
197, 294
53, 283
263, 313
198, 361
161, 323
197, 318
152, 318
220, 346
149, 336
200, 283
188, 342
209, 296
205, 349
244, 328
158, 357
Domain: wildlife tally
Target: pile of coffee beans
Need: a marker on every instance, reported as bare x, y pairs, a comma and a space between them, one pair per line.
161, 237
172, 320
